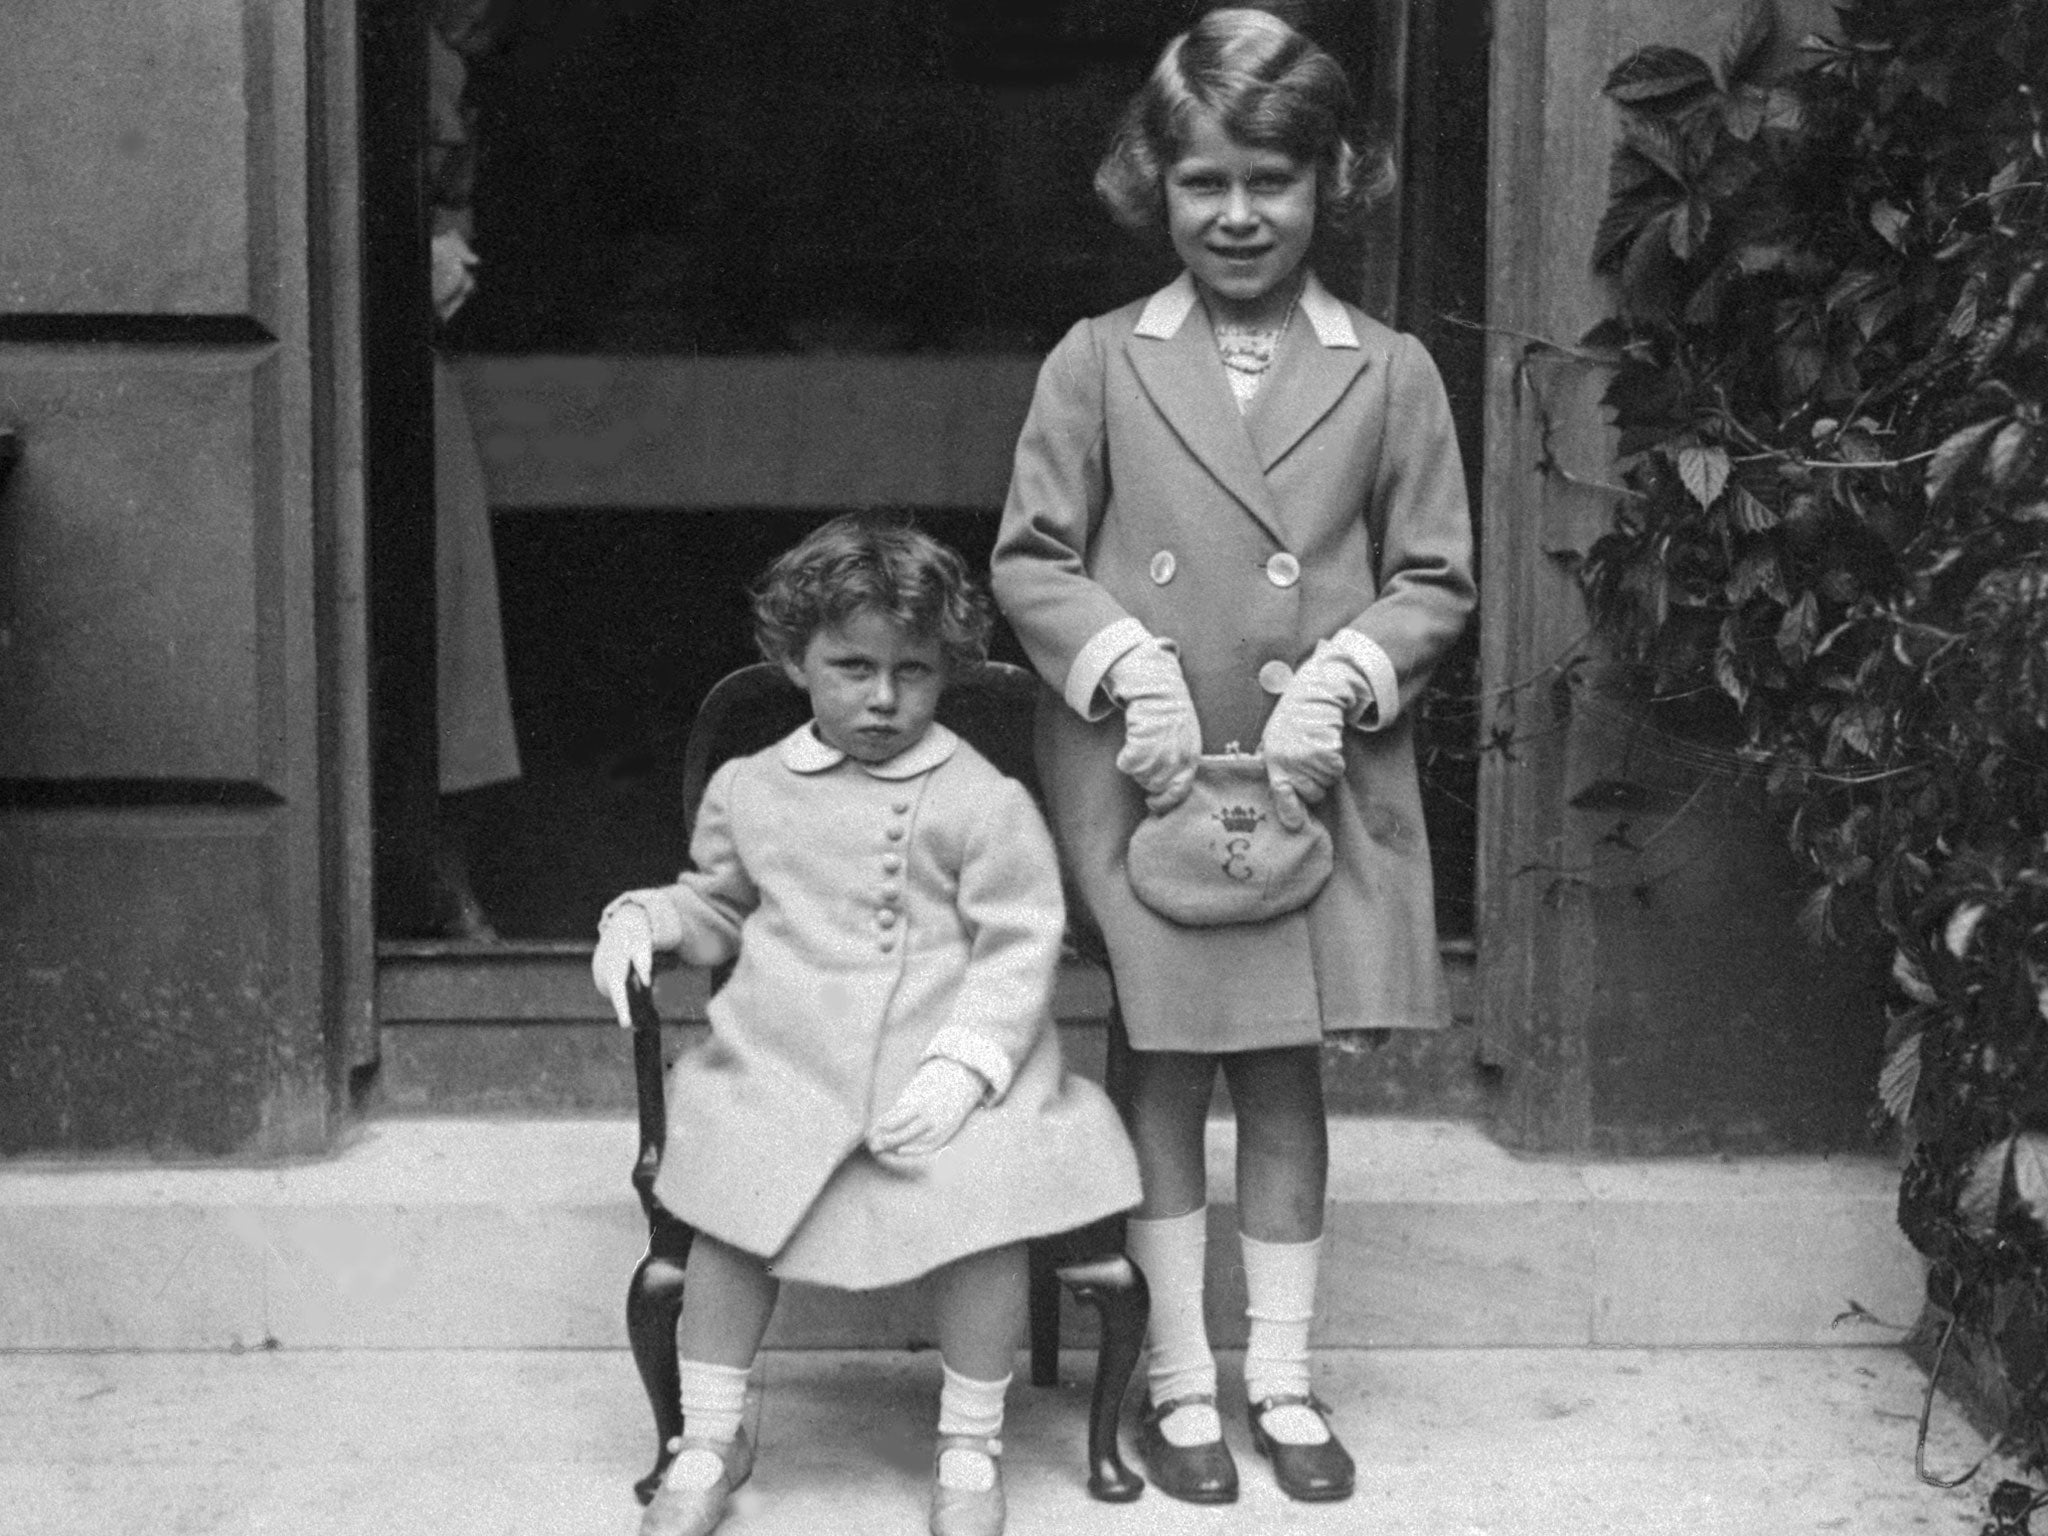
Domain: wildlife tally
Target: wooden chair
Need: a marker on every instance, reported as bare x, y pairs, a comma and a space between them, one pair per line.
745, 711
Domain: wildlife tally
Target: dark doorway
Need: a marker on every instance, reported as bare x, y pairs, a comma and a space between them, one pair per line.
682, 180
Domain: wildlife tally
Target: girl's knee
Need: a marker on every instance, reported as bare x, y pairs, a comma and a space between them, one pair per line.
1283, 1086
1278, 1100
1301, 1149
710, 1256
979, 1305
1172, 1077
1172, 1161
988, 1271
1283, 1126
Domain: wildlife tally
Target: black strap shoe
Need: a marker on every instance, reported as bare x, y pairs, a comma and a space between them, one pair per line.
1316, 1474
1201, 1474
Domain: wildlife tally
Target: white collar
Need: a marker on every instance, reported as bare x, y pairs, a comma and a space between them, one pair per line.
805, 751
1170, 306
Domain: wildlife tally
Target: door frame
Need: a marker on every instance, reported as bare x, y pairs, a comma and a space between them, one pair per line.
340, 510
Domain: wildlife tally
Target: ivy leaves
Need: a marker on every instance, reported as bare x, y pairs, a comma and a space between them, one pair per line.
1829, 384
1692, 140
1828, 359
1704, 473
1668, 75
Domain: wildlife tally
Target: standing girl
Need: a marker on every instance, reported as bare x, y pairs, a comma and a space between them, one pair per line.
1238, 517
881, 1096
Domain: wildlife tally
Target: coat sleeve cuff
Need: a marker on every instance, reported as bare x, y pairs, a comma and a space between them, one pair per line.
663, 921
976, 1052
1084, 692
1367, 655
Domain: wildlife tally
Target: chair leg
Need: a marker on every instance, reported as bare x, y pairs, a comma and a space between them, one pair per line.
654, 1300
1115, 1288
1045, 1316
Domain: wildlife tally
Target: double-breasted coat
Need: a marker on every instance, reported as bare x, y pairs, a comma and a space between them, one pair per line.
880, 914
1143, 501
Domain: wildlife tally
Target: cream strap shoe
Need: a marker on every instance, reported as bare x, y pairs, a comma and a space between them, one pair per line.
692, 1498
967, 1487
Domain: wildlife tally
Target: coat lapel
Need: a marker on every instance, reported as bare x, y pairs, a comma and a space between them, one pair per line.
1174, 356
1316, 364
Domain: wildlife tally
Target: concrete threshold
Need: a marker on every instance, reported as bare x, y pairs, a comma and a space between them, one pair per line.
512, 1234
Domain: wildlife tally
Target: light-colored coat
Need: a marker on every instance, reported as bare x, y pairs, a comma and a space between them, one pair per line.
1143, 501
880, 914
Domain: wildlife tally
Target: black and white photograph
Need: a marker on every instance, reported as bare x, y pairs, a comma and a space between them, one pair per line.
972, 766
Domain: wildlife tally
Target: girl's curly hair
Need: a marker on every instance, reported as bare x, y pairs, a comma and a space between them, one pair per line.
1269, 87
878, 561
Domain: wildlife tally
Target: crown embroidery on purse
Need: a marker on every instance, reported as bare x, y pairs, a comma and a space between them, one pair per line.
1240, 819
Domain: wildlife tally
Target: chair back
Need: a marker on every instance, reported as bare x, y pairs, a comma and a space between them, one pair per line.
756, 706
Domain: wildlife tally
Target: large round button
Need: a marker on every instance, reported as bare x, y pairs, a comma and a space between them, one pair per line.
891, 862
900, 807
893, 833
1283, 570
886, 918
1274, 677
1163, 567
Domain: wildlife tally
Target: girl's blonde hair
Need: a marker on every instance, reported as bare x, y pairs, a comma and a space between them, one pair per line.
1268, 86
871, 561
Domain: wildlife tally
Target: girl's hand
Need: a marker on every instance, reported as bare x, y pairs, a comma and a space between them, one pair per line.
1162, 737
624, 943
929, 1112
1303, 743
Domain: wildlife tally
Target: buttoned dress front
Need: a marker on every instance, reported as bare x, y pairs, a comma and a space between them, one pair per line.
880, 914
1333, 508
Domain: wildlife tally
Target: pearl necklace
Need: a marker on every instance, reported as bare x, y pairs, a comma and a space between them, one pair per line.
1248, 351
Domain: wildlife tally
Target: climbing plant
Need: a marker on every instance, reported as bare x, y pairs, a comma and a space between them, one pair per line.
1829, 355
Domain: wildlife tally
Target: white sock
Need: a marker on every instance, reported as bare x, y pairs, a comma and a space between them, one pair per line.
714, 1401
1172, 1252
1280, 1303
970, 1407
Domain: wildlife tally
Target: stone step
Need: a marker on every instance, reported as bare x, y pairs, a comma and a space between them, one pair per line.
518, 1029
520, 1233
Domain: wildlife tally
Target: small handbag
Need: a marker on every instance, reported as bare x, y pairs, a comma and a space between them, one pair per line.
1221, 855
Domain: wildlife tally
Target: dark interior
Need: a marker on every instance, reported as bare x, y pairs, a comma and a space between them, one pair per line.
817, 176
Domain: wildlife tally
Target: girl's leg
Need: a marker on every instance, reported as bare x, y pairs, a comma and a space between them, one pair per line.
728, 1297
979, 1305
1170, 1093
1283, 1142
978, 1311
1283, 1163
1168, 1238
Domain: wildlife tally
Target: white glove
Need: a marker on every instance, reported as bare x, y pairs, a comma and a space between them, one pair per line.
929, 1112
625, 942
1162, 737
1303, 742
454, 276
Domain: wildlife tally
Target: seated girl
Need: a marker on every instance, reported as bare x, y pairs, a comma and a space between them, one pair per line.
881, 1096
